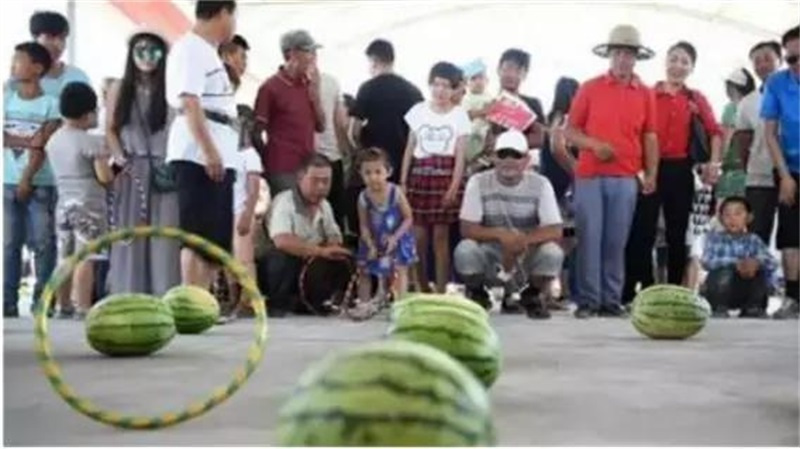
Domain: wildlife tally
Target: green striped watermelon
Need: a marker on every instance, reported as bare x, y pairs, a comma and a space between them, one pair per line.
669, 312
389, 393
427, 300
194, 308
458, 332
128, 324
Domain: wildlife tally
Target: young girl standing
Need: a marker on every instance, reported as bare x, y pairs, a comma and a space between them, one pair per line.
385, 220
433, 168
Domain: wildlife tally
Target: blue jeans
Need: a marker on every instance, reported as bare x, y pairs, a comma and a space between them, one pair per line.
31, 223
604, 208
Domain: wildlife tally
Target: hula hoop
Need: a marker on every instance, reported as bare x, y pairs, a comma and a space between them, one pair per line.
52, 370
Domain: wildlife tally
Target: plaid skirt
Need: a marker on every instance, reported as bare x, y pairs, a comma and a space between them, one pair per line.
427, 184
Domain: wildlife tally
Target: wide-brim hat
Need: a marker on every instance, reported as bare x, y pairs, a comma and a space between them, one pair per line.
624, 36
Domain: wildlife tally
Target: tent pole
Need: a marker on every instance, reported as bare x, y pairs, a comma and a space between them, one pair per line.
73, 29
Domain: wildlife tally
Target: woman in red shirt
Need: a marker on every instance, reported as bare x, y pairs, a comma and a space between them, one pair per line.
675, 105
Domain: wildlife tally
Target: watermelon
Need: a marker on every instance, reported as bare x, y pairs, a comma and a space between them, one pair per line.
194, 308
458, 332
129, 324
388, 393
428, 300
669, 312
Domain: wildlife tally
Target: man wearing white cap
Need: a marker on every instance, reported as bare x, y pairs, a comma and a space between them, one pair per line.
510, 222
613, 122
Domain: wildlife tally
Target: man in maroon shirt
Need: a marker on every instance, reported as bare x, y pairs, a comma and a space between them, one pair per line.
288, 108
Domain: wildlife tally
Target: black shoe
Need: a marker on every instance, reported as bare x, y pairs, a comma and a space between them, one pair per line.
612, 311
534, 305
789, 310
720, 313
277, 312
584, 312
10, 312
480, 296
753, 312
510, 307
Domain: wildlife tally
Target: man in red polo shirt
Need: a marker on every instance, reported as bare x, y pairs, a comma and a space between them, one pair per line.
613, 121
289, 109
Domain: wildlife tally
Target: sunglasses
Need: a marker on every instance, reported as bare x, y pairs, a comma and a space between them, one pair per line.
509, 154
148, 53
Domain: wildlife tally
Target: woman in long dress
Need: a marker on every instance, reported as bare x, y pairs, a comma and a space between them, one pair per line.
138, 124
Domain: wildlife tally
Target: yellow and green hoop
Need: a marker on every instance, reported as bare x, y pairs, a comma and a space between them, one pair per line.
52, 370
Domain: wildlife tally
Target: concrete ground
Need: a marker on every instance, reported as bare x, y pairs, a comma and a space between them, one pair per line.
564, 382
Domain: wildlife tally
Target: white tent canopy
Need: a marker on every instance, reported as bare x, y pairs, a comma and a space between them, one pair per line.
559, 35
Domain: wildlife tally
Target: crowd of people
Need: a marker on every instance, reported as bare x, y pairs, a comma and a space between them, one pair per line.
409, 192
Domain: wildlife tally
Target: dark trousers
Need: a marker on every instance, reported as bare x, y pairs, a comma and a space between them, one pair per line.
764, 201
279, 278
337, 194
351, 207
675, 193
725, 289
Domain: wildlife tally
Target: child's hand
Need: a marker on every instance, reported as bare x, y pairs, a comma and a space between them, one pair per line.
372, 252
747, 268
449, 198
391, 244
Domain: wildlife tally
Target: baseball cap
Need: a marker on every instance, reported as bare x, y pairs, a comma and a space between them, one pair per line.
298, 40
512, 140
737, 77
473, 68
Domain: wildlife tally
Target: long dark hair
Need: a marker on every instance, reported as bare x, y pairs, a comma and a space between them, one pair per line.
566, 88
156, 111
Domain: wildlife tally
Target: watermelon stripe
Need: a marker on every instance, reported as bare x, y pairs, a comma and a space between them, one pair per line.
682, 319
393, 386
413, 361
351, 420
415, 326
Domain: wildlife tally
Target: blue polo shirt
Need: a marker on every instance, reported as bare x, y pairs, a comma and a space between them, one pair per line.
781, 102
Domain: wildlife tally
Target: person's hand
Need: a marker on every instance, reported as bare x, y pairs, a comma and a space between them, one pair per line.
449, 197
788, 190
214, 168
334, 252
649, 184
711, 173
747, 268
513, 244
391, 244
24, 190
244, 224
313, 79
604, 152
372, 252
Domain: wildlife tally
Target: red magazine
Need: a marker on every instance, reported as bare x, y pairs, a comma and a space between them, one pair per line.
511, 112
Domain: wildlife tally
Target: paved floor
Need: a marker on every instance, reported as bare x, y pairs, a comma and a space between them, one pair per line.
564, 383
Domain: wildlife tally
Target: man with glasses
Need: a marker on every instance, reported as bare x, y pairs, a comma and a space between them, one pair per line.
511, 225
289, 109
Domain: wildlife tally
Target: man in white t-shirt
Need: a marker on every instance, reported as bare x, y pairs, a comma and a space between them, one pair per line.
511, 224
332, 141
749, 141
203, 139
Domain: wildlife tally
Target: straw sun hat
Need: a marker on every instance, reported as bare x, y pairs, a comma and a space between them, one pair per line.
624, 36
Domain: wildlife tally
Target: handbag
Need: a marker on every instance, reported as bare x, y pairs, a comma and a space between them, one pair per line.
699, 143
162, 175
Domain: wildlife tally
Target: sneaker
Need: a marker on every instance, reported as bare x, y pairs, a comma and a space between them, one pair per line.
720, 313
65, 314
788, 310
583, 312
480, 296
612, 311
535, 307
80, 315
10, 312
558, 304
